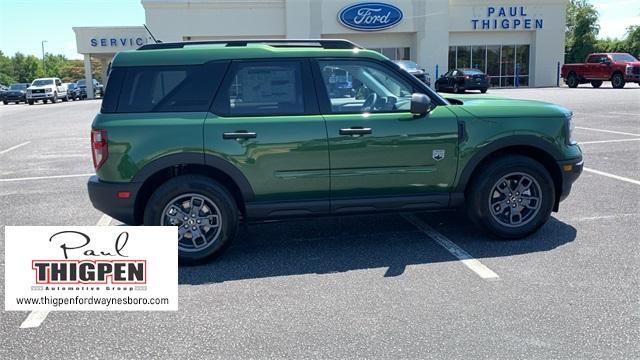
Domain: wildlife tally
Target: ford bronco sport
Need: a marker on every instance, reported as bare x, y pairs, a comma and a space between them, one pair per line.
204, 135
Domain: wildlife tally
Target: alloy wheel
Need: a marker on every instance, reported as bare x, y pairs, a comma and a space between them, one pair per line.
198, 220
515, 199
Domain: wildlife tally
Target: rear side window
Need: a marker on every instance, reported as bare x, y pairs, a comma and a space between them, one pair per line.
163, 88
262, 88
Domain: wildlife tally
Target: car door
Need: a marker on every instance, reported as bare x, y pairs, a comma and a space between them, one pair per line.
380, 153
603, 68
265, 121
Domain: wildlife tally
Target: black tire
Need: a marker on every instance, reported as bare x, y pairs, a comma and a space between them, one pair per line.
30, 102
210, 190
437, 87
457, 90
482, 191
483, 90
44, 101
572, 80
596, 83
5, 102
55, 98
617, 81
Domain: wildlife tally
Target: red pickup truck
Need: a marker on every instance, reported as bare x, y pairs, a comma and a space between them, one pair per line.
619, 68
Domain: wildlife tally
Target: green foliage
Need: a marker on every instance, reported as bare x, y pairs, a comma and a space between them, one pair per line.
582, 29
6, 70
25, 68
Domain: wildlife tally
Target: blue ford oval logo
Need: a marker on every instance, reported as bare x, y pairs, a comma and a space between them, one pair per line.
371, 16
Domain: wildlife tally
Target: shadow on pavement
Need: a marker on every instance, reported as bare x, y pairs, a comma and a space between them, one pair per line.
329, 245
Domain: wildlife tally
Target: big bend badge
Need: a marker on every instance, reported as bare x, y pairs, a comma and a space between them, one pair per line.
437, 155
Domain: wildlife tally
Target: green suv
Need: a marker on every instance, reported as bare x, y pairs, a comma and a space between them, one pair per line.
203, 135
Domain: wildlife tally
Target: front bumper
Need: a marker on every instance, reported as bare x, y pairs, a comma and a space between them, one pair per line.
104, 197
40, 96
570, 170
15, 97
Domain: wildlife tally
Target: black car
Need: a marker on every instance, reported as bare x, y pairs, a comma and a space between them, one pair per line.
73, 91
412, 68
97, 88
460, 80
16, 93
3, 90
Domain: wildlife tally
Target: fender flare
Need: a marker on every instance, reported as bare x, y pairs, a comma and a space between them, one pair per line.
499, 144
191, 158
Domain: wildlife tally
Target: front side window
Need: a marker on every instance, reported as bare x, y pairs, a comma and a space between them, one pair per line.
362, 86
262, 88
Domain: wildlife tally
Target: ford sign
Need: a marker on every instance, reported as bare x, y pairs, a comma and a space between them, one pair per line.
371, 16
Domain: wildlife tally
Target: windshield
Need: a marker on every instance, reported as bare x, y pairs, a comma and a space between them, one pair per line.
42, 82
407, 64
18, 87
623, 57
472, 72
81, 82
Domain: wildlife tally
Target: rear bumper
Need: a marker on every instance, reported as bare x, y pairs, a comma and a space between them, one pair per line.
570, 170
476, 85
104, 197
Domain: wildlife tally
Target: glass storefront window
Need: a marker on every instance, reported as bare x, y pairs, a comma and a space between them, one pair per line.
452, 57
464, 57
497, 61
478, 57
403, 53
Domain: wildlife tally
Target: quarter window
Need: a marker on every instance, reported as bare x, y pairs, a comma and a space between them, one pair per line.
358, 86
262, 88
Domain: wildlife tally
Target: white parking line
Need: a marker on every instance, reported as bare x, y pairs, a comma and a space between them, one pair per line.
607, 141
467, 260
622, 178
46, 177
14, 147
607, 131
35, 318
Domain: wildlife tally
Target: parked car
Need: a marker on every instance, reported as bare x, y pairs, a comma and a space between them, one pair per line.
16, 93
73, 91
275, 143
46, 89
460, 80
414, 69
619, 68
98, 89
3, 90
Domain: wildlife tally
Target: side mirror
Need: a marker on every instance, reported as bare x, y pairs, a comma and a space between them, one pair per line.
420, 104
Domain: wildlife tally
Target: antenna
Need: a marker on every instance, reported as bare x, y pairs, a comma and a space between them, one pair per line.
153, 37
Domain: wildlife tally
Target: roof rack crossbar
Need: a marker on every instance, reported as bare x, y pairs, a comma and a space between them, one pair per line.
322, 43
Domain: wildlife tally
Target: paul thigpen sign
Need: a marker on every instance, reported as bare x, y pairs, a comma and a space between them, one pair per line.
91, 268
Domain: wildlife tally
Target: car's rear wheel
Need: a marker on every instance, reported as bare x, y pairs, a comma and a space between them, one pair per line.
617, 81
456, 89
5, 102
483, 90
30, 102
596, 83
572, 80
204, 211
512, 197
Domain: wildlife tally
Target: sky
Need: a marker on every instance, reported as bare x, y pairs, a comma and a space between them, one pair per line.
25, 23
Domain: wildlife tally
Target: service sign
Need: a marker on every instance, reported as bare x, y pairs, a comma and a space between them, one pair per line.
370, 16
91, 268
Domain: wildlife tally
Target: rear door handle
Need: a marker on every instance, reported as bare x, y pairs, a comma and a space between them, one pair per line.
239, 134
356, 130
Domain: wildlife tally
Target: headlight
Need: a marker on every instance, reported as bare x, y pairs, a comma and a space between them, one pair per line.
629, 69
570, 131
49, 90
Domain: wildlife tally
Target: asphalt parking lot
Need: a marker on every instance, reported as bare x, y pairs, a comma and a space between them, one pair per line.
383, 286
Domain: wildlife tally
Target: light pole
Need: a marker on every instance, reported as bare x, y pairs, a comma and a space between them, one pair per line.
44, 66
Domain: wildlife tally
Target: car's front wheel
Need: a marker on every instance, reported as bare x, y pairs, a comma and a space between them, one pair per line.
617, 81
204, 212
511, 197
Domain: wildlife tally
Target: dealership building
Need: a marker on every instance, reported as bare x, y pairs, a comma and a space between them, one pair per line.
516, 43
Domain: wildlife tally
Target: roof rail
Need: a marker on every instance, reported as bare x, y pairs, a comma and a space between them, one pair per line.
320, 43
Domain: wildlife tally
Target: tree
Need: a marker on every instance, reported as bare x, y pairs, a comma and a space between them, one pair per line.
54, 65
581, 31
6, 70
26, 68
632, 42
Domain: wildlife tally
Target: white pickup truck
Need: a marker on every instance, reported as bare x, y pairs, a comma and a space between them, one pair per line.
46, 89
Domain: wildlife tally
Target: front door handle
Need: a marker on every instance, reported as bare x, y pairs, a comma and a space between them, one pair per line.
239, 134
356, 130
